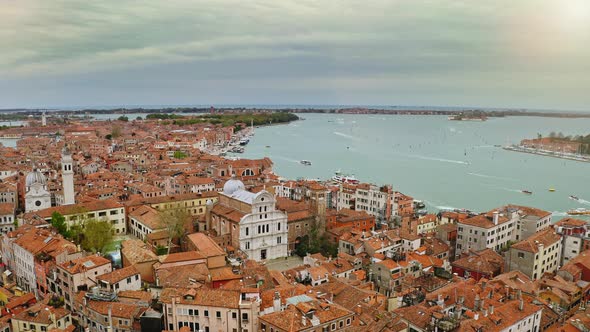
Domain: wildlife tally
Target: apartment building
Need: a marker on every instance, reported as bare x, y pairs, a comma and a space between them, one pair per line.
41, 317
78, 275
489, 230
107, 210
145, 220
574, 238
538, 254
125, 279
210, 309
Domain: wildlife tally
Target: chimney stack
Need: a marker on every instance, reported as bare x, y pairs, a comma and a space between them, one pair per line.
496, 216
476, 303
521, 305
491, 309
276, 303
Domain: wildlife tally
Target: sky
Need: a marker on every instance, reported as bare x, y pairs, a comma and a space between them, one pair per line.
501, 53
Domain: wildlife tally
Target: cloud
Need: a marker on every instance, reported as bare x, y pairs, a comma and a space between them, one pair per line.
348, 49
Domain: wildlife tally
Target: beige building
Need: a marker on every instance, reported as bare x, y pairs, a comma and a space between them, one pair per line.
210, 309
143, 221
489, 230
538, 254
78, 275
103, 210
41, 317
125, 279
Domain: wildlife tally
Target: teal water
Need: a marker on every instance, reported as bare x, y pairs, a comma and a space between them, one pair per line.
448, 164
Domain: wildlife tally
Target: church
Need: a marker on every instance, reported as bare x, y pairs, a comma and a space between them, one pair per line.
249, 221
37, 195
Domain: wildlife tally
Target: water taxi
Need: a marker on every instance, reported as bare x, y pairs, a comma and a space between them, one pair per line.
528, 192
579, 211
575, 198
306, 162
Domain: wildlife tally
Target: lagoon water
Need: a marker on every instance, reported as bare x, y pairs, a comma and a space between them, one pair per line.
448, 164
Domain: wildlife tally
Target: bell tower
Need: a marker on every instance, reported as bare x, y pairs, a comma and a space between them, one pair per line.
318, 206
67, 175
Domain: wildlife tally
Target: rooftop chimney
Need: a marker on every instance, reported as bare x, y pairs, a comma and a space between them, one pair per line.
276, 303
521, 305
491, 309
476, 303
496, 215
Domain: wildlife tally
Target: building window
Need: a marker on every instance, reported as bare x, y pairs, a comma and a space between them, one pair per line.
218, 314
206, 313
520, 255
244, 316
234, 315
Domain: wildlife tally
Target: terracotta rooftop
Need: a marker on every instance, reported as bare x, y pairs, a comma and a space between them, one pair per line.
545, 237
118, 275
84, 263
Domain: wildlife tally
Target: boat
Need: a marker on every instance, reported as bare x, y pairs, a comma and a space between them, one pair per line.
419, 204
579, 211
528, 192
343, 178
551, 189
244, 141
268, 146
237, 149
306, 162
575, 198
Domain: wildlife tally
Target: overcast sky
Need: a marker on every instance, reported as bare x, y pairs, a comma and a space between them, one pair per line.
500, 53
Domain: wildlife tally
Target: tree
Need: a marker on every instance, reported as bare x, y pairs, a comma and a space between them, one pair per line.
97, 234
175, 222
123, 118
59, 222
116, 132
139, 118
109, 137
179, 155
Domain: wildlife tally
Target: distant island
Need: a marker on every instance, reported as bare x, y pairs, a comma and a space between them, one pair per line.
556, 145
457, 114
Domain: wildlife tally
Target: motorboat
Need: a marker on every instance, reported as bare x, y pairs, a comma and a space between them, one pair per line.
575, 198
306, 162
528, 192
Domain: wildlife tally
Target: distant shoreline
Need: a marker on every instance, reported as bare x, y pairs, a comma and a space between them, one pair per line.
522, 149
22, 114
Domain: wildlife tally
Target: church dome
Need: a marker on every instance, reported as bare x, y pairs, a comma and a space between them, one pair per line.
232, 185
35, 177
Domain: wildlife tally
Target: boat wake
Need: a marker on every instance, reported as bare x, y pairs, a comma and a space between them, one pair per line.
344, 135
512, 190
489, 176
583, 201
439, 159
286, 159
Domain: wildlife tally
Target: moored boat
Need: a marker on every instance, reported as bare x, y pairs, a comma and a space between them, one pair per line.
579, 211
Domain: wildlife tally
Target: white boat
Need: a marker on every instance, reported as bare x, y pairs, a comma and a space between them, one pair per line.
343, 178
306, 162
